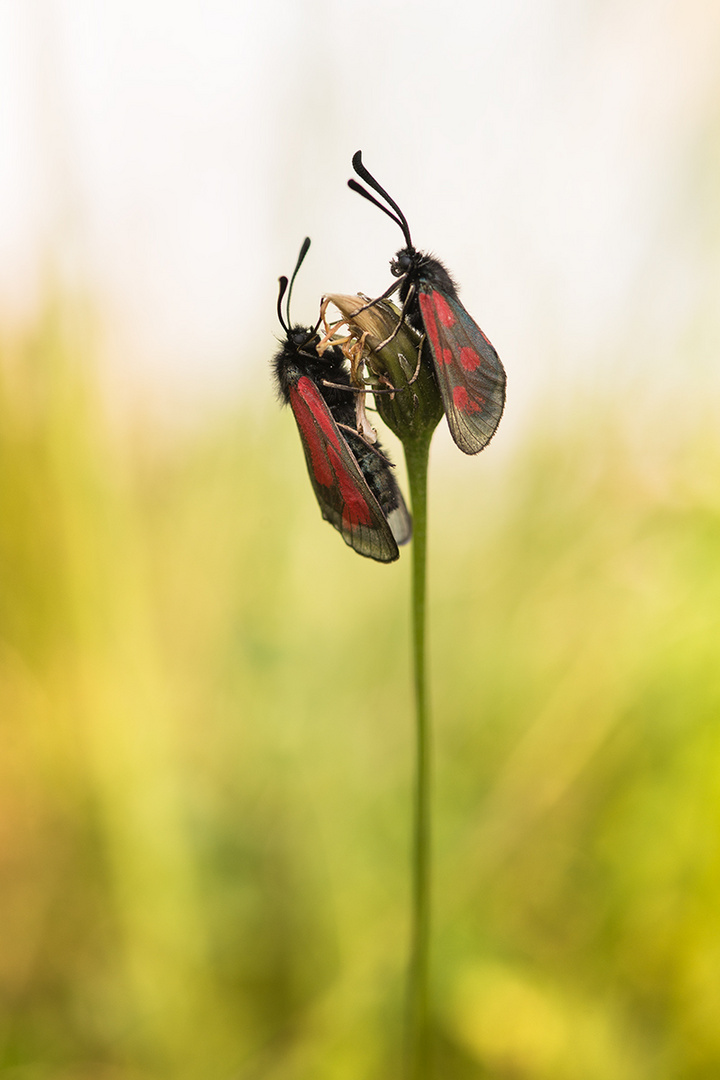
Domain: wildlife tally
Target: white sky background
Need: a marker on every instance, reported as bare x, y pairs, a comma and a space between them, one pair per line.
561, 156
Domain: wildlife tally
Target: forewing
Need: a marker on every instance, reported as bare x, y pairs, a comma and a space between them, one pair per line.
342, 491
469, 372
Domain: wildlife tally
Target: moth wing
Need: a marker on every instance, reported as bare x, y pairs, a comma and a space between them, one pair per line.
400, 520
468, 369
380, 476
342, 491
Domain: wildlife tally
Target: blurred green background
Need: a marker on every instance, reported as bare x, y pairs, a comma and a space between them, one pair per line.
206, 733
207, 749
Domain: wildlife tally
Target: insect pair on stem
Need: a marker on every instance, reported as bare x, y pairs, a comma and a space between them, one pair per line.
352, 477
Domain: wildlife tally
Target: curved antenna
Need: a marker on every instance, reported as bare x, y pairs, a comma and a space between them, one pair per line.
303, 252
284, 287
354, 186
281, 292
360, 169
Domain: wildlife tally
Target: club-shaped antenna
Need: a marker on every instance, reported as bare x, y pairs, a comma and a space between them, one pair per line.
400, 219
284, 286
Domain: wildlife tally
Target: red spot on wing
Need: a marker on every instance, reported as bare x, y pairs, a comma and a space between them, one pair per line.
469, 358
463, 402
311, 413
443, 310
435, 311
428, 313
318, 406
356, 510
328, 454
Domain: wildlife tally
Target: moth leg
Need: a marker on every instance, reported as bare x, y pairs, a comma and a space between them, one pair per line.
419, 360
396, 331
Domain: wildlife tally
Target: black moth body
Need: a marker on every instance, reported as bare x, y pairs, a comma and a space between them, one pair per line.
353, 481
468, 370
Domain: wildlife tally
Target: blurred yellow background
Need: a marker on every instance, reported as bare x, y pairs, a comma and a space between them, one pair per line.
205, 711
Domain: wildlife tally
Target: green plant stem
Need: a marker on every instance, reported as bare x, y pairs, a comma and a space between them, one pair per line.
417, 455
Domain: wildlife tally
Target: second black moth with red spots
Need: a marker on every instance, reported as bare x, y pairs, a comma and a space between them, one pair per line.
468, 370
353, 481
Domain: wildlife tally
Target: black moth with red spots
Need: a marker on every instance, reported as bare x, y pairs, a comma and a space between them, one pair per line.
468, 370
353, 481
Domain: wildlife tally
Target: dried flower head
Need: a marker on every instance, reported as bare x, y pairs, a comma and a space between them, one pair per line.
391, 351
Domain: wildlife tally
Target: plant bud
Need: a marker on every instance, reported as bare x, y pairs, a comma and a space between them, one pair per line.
408, 399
